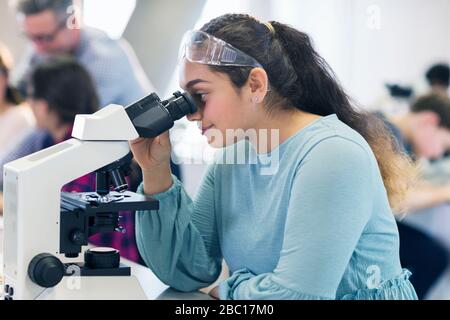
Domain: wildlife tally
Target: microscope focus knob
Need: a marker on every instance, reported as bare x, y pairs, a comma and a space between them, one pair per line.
46, 270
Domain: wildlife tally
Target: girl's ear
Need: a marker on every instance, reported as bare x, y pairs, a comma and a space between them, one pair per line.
259, 83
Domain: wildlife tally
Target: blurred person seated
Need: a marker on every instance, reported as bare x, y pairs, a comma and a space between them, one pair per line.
16, 118
438, 78
59, 90
423, 133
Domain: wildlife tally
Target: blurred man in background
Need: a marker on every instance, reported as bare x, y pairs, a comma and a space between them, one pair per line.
52, 29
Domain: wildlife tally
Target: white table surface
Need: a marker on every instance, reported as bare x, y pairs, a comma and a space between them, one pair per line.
156, 290
152, 286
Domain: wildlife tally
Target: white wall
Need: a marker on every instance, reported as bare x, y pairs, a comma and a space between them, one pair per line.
370, 42
413, 35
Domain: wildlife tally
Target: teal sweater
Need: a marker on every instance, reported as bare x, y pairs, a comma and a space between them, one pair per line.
317, 227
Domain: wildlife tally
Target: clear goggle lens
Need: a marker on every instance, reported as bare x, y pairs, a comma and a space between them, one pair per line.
201, 47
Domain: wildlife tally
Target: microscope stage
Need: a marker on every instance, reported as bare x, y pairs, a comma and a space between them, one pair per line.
91, 202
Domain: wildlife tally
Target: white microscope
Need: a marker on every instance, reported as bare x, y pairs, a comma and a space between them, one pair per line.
45, 230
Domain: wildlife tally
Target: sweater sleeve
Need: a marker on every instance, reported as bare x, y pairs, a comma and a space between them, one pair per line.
330, 204
179, 242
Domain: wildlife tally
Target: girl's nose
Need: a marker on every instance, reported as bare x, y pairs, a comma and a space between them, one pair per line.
195, 116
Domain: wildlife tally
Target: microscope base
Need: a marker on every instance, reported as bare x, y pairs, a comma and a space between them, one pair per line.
96, 288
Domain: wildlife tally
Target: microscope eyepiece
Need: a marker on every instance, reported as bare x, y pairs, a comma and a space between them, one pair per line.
180, 105
152, 117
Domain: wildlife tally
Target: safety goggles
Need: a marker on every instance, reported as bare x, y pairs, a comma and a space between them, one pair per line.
201, 47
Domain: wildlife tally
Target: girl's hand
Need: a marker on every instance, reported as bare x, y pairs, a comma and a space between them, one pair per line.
153, 156
214, 293
152, 153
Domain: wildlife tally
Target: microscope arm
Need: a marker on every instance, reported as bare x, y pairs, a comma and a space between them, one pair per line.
33, 210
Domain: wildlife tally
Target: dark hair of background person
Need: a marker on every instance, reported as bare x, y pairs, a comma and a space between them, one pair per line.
66, 86
12, 95
31, 7
439, 74
436, 103
301, 79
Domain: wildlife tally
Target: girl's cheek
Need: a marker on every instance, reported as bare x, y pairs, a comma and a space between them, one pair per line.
207, 110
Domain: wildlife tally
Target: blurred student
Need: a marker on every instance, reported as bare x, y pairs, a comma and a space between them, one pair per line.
59, 89
16, 118
423, 133
52, 30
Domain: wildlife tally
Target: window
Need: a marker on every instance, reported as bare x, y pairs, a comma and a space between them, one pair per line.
111, 16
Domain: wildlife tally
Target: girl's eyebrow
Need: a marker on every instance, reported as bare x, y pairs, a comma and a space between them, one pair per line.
194, 82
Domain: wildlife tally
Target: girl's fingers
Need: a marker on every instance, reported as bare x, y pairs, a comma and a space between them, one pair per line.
164, 139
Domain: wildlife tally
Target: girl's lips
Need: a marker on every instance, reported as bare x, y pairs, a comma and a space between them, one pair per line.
205, 129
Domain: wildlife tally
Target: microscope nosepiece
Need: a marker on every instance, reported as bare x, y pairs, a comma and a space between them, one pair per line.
118, 180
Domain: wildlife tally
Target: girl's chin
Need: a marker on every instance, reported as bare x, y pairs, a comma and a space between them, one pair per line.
215, 143
217, 139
